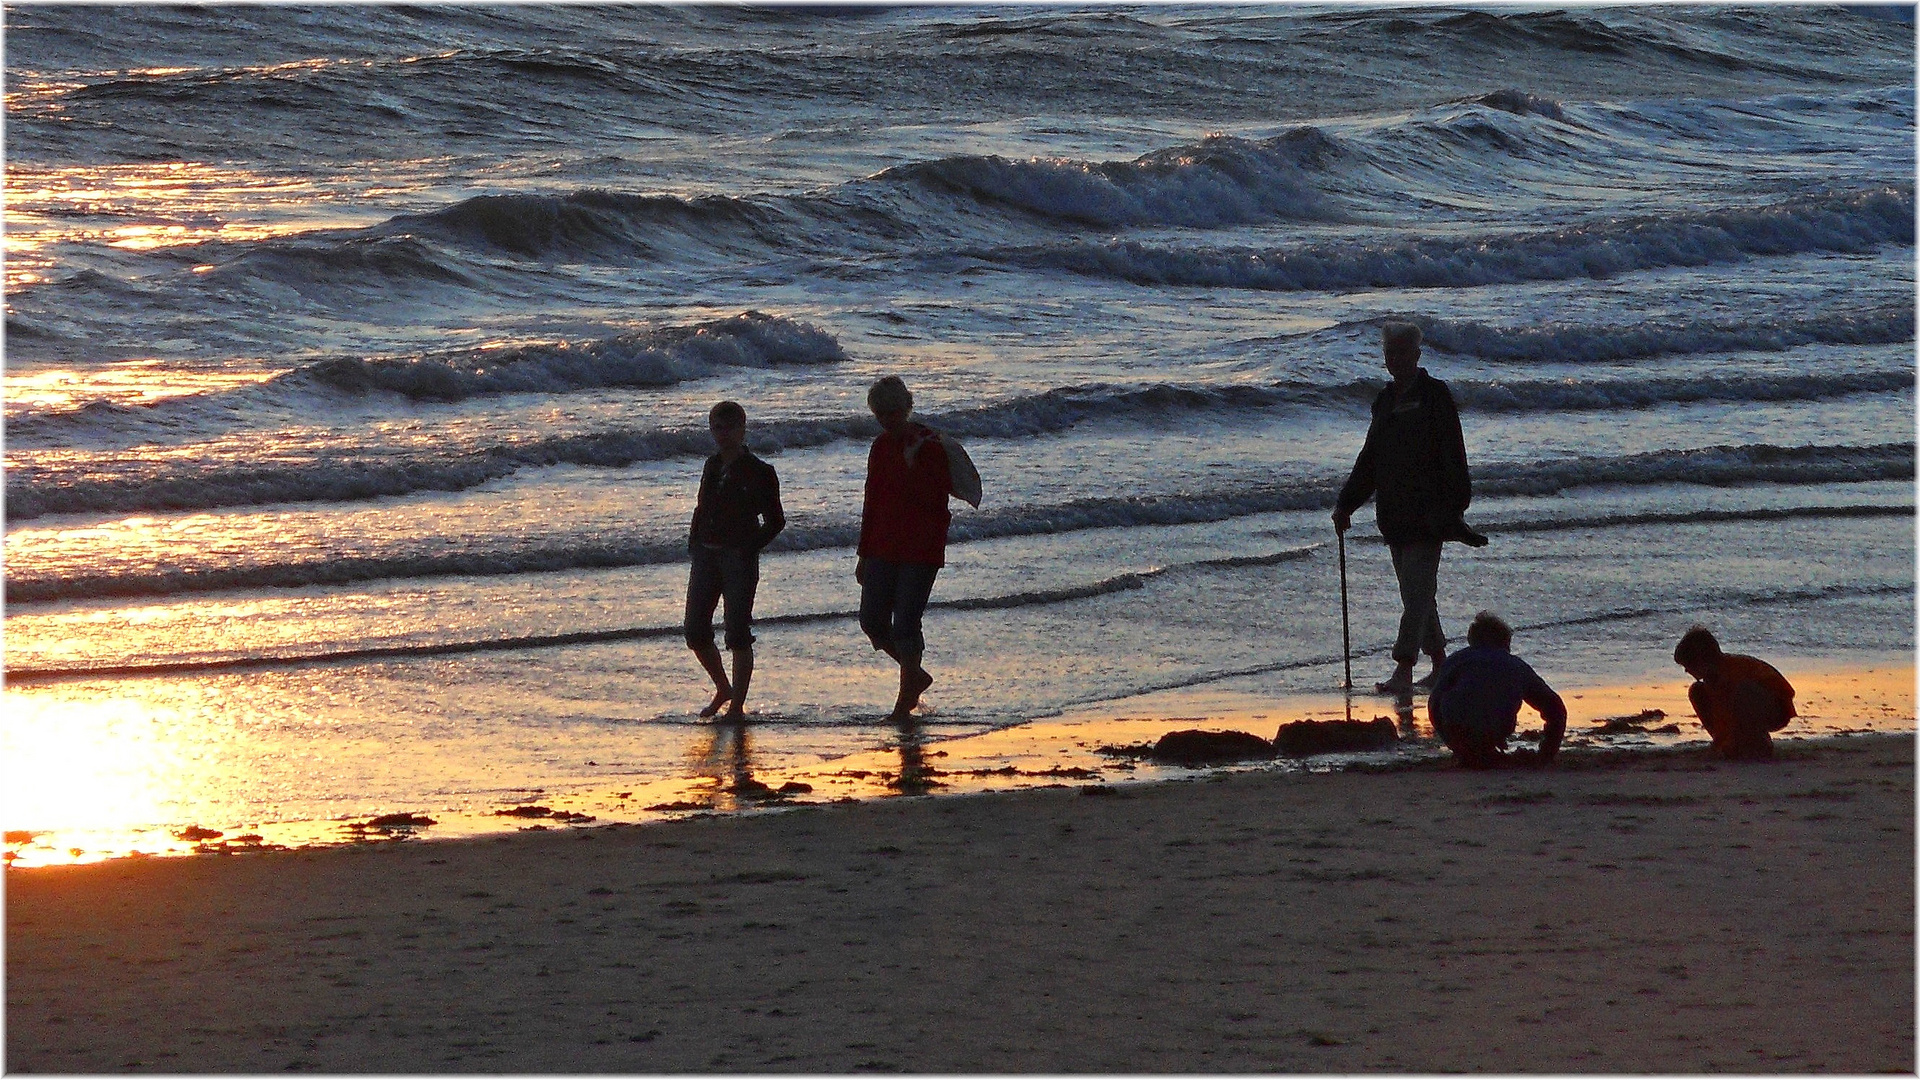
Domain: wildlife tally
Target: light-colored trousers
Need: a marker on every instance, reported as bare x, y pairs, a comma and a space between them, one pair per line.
1418, 568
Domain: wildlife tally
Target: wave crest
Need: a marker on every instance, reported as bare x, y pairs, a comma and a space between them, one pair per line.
1521, 103
1719, 466
1854, 222
1566, 343
651, 358
1222, 180
595, 223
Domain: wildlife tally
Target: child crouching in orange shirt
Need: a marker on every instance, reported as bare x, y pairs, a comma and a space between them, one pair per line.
1738, 699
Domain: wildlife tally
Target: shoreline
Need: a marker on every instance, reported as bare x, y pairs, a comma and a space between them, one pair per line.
1064, 749
1631, 911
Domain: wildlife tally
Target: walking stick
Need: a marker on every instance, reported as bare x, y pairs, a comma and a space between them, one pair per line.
1346, 637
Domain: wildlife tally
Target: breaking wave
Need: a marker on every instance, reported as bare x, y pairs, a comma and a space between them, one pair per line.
651, 358
1221, 180
1719, 466
661, 356
1857, 222
1564, 343
34, 491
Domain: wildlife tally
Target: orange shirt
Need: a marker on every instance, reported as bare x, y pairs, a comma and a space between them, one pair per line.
1736, 668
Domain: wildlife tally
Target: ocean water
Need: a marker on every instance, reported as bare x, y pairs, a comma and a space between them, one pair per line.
357, 364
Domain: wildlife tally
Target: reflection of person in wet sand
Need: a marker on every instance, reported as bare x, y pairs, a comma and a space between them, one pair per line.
1476, 700
1740, 700
1414, 463
737, 513
729, 759
903, 535
915, 777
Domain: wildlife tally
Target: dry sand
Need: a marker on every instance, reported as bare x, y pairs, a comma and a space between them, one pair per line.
1629, 911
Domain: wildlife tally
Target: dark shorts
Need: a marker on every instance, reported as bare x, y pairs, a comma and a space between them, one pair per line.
733, 573
892, 600
1475, 743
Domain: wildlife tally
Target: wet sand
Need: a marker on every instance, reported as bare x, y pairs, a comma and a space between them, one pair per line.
1065, 749
1630, 911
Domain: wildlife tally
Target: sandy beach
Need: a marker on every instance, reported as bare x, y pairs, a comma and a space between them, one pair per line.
1630, 911
362, 485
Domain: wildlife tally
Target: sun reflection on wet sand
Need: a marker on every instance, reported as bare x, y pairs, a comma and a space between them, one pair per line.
95, 777
100, 769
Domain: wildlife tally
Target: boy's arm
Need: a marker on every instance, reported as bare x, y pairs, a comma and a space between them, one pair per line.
869, 524
1552, 710
775, 518
930, 480
699, 505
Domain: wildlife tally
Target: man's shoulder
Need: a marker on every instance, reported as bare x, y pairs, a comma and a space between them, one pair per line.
1433, 387
1383, 402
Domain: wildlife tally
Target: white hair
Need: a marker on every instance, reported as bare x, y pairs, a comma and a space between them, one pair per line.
1400, 335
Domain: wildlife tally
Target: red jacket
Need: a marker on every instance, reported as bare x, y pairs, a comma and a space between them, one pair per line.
904, 519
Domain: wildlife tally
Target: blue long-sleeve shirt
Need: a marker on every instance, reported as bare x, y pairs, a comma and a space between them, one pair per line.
1481, 687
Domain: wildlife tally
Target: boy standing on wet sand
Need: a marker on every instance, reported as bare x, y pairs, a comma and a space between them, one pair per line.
738, 513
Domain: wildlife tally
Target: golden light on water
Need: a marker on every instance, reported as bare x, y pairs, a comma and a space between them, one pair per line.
125, 187
144, 237
139, 382
98, 771
151, 205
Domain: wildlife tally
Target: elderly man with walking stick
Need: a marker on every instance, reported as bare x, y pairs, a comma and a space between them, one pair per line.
1414, 464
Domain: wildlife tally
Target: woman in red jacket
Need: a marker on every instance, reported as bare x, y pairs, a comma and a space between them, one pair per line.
903, 535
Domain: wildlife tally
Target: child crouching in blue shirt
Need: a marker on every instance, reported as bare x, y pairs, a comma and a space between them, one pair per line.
1477, 692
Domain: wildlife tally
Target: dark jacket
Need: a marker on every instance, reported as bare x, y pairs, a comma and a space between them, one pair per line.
1414, 462
739, 504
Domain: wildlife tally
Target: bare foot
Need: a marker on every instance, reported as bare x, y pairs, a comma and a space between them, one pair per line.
735, 715
912, 687
720, 697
